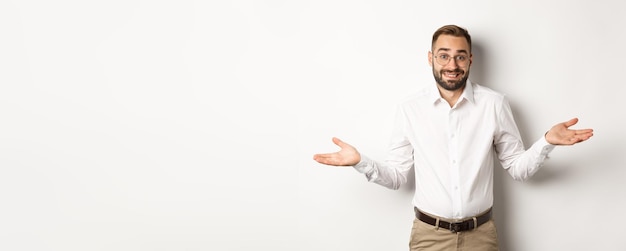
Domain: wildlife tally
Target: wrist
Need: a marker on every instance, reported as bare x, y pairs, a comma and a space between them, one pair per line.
547, 138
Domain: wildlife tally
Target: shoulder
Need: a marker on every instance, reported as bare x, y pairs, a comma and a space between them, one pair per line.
483, 93
424, 94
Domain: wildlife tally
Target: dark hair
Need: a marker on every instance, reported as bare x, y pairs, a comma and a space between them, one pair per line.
452, 30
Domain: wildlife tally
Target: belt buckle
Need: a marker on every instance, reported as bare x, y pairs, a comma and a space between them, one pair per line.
455, 227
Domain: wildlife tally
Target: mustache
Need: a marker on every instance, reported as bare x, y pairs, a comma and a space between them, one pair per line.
457, 70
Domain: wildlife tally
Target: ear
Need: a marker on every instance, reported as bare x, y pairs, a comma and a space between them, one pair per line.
430, 59
471, 59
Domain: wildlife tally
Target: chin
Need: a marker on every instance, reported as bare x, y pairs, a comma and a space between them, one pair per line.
452, 85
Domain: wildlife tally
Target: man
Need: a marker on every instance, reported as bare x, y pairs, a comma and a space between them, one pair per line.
450, 133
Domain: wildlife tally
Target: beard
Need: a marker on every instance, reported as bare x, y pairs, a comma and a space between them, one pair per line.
451, 85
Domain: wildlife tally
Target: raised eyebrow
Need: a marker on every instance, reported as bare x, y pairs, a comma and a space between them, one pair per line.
448, 49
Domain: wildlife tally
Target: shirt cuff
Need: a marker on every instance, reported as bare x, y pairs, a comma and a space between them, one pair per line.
364, 166
545, 147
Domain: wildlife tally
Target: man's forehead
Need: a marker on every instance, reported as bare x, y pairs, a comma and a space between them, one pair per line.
451, 43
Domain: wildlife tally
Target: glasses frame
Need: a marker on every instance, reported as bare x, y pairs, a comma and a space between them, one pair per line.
458, 61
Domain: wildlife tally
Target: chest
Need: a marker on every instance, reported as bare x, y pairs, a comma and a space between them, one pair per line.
435, 124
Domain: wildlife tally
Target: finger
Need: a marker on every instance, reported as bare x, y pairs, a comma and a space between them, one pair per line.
326, 159
571, 122
580, 138
321, 158
585, 136
340, 143
323, 155
337, 141
583, 131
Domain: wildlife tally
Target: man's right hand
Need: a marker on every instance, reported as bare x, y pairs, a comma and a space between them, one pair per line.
347, 156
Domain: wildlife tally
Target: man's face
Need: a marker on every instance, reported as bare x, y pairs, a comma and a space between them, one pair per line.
455, 53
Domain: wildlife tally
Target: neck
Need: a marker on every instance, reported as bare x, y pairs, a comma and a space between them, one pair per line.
450, 96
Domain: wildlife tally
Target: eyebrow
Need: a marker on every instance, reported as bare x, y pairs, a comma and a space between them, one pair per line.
448, 49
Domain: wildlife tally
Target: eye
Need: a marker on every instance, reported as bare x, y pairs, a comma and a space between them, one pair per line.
443, 56
461, 58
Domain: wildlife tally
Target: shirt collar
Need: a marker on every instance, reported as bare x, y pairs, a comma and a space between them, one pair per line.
468, 93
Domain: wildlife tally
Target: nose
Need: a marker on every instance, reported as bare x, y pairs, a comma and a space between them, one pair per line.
453, 62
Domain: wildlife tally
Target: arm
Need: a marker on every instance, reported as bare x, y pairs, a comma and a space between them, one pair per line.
391, 175
522, 164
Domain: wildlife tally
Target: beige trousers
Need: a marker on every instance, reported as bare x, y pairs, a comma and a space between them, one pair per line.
429, 238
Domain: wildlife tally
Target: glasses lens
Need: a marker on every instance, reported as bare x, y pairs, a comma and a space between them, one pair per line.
444, 59
461, 60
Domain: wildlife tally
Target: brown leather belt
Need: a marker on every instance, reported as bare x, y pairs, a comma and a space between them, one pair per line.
454, 227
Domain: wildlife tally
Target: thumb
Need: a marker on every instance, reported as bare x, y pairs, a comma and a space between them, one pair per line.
338, 142
571, 122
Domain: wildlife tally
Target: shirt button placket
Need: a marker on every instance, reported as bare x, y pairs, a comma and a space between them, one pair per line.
453, 125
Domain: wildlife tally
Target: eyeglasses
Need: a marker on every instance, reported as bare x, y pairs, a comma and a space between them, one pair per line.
444, 59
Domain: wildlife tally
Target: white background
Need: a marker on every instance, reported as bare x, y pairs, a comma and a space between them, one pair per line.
191, 125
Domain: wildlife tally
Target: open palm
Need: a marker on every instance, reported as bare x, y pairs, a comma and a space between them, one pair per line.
560, 134
347, 156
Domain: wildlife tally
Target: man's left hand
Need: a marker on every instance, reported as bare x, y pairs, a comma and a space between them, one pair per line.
560, 134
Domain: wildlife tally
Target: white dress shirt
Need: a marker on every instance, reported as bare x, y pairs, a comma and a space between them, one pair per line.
452, 150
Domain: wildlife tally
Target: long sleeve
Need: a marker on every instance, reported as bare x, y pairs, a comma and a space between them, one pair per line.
520, 164
393, 172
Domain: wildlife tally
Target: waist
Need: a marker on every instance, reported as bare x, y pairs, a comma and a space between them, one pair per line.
454, 225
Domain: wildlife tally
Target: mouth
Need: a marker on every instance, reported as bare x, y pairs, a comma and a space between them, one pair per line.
452, 74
